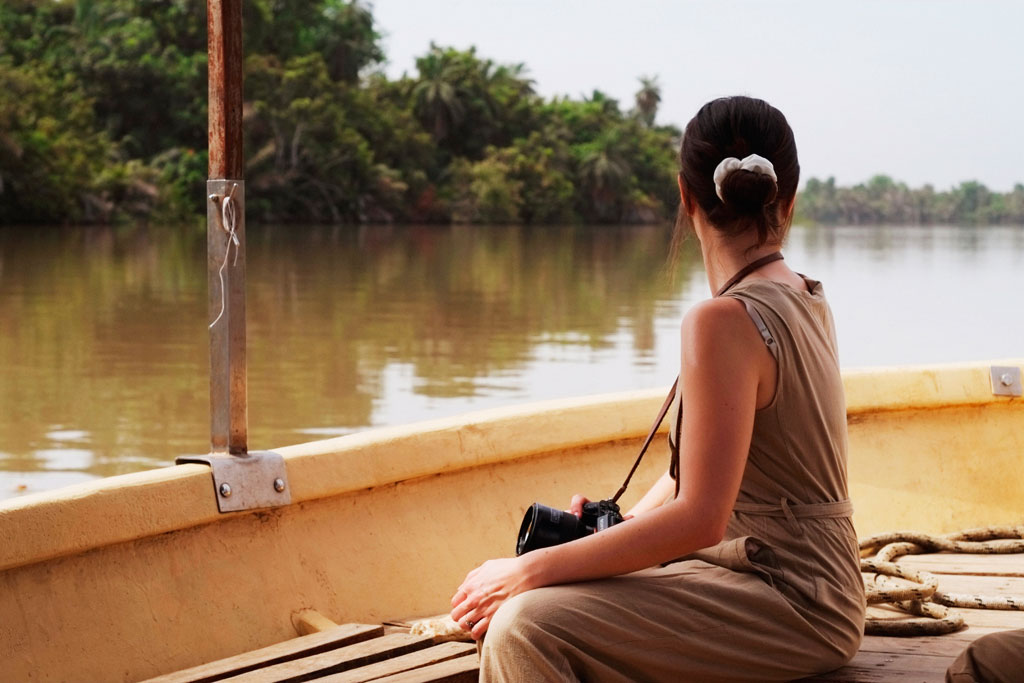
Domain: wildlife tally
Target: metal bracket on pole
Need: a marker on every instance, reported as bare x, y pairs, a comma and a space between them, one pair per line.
241, 480
1006, 380
246, 482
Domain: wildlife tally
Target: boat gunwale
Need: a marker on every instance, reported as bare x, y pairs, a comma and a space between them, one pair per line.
82, 517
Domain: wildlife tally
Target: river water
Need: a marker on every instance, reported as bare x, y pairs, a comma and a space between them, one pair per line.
103, 345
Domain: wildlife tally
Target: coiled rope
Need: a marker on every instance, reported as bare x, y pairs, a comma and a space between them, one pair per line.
923, 597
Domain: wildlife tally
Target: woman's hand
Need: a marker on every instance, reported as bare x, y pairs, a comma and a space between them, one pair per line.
485, 589
576, 506
579, 500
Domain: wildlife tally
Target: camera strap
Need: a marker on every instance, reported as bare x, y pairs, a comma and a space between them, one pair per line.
674, 465
650, 437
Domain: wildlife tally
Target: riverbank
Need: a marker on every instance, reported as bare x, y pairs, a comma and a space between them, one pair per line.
106, 123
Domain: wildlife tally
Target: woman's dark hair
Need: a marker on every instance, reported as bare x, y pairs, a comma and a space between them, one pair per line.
737, 127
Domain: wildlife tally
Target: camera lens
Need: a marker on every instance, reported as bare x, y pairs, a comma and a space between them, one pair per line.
543, 526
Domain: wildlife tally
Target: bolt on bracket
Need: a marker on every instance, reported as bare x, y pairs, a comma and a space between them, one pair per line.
1006, 380
250, 481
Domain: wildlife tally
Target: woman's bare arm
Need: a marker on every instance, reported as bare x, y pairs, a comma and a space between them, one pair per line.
723, 360
660, 492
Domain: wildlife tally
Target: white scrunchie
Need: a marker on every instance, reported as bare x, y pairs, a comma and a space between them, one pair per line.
755, 163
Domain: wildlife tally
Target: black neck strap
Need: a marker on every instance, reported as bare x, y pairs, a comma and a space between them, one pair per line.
748, 269
674, 464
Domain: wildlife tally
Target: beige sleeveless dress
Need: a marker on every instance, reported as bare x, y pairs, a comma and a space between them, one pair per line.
780, 598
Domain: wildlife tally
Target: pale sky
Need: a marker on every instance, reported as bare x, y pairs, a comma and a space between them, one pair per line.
925, 91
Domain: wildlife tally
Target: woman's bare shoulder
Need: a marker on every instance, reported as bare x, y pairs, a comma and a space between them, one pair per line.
718, 328
714, 315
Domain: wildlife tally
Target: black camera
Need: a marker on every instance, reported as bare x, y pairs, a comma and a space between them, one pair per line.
543, 526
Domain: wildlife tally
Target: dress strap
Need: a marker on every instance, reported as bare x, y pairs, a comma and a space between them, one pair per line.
766, 335
832, 510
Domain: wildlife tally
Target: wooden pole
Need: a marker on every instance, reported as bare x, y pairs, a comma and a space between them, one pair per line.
226, 230
224, 31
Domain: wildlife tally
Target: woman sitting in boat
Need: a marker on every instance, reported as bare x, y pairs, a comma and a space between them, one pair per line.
745, 565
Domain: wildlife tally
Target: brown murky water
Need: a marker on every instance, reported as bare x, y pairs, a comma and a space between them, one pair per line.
103, 347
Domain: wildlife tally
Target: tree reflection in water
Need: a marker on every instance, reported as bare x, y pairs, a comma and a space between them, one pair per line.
104, 342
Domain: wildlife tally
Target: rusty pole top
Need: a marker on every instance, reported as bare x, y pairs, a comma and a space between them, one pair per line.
224, 45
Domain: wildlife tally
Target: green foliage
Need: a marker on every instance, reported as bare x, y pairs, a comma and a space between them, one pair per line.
96, 91
104, 117
488, 192
56, 164
144, 65
540, 166
469, 104
181, 175
340, 32
882, 200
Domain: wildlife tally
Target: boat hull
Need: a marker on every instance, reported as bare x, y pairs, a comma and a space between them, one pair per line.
135, 576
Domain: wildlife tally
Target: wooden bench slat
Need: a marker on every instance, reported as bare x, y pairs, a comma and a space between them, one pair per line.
413, 660
948, 645
459, 670
335, 661
315, 643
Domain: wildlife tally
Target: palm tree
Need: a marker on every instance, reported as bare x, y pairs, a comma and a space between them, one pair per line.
647, 99
350, 42
603, 172
604, 175
437, 98
512, 76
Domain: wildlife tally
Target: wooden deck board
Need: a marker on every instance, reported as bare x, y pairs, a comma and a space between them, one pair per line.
396, 657
978, 565
888, 666
926, 658
967, 583
926, 645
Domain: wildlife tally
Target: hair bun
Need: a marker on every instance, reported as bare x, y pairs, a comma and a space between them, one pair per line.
746, 185
747, 191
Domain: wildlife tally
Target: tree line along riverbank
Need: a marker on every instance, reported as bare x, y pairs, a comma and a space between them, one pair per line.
103, 119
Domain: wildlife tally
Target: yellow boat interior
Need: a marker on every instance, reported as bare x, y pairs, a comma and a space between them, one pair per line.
140, 575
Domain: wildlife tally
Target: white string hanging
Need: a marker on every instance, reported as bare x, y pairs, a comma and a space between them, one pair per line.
228, 215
